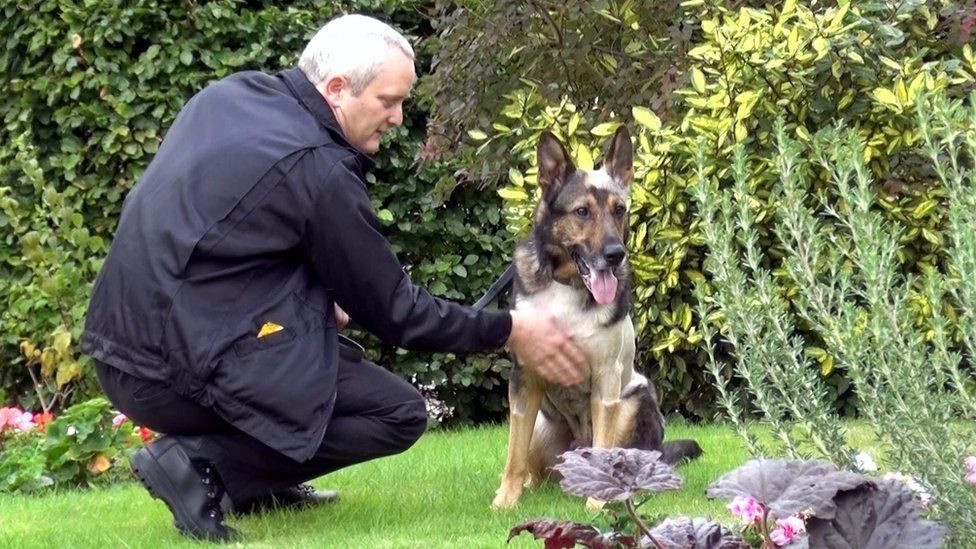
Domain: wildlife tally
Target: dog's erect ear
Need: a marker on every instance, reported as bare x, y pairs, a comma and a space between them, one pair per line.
555, 166
619, 160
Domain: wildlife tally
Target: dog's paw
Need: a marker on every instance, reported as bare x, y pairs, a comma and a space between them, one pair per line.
594, 504
505, 500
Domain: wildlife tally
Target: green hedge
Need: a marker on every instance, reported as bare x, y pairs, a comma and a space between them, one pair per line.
87, 91
735, 70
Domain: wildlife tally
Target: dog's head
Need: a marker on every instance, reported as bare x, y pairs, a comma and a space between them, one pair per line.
581, 221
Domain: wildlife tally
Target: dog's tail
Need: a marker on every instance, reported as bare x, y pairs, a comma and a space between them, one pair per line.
680, 451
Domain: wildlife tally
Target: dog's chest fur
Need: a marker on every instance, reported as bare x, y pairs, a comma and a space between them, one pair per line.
609, 350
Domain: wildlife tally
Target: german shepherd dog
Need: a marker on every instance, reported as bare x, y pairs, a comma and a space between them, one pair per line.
574, 265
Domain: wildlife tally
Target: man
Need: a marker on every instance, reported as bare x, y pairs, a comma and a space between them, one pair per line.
214, 316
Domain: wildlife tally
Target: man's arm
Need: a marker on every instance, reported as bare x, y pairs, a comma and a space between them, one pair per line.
352, 258
355, 261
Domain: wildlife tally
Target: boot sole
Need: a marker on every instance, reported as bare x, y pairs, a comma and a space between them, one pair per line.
150, 473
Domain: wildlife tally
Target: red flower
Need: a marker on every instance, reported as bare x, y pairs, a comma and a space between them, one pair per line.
146, 435
42, 419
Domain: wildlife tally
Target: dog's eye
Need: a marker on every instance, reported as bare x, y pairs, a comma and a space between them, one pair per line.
582, 212
619, 211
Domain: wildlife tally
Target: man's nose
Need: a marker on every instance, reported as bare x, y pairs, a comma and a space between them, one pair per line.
397, 117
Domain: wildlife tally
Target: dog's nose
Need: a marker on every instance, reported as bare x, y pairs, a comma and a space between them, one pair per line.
614, 253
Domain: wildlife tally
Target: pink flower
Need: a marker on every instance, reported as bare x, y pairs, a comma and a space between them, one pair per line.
119, 419
25, 422
9, 417
13, 417
787, 529
970, 463
747, 509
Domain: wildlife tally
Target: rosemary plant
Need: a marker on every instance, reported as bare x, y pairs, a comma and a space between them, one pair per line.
836, 275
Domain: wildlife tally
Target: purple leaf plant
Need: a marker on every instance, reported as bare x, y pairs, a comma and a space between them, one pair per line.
816, 505
618, 474
560, 534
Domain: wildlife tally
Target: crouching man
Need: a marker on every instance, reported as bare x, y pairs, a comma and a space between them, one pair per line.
238, 253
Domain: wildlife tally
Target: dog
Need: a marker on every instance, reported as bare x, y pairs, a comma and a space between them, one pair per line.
574, 264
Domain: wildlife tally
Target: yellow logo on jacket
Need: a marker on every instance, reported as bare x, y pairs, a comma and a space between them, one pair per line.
268, 329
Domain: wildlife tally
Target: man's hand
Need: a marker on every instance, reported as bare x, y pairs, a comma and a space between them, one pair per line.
341, 318
543, 346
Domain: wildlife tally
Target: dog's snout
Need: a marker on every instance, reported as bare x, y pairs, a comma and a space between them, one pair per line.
614, 253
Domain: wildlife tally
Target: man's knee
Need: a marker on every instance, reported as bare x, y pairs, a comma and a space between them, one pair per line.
410, 421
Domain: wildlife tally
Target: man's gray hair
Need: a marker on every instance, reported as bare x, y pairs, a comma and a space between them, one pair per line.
352, 46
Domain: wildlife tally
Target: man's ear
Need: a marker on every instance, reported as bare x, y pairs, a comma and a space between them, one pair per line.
334, 90
554, 163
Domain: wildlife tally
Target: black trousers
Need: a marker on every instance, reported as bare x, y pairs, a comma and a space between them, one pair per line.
376, 414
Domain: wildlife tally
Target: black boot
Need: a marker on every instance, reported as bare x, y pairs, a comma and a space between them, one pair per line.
191, 491
293, 497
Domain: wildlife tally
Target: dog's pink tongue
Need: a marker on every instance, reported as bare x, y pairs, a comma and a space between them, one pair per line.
603, 286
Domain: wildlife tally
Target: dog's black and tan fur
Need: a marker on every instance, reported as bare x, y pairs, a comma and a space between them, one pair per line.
574, 265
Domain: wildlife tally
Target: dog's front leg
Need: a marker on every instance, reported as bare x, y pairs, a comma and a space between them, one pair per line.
605, 410
524, 400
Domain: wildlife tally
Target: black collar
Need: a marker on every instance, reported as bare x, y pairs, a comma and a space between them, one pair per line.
310, 97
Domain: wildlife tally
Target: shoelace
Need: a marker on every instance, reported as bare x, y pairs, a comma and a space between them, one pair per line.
306, 489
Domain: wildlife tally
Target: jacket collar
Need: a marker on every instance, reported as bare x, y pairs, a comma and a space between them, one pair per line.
312, 100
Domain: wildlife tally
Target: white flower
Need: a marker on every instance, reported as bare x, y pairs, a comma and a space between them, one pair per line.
895, 475
72, 431
865, 463
921, 492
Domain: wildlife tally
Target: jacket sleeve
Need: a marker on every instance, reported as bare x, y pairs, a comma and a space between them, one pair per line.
352, 258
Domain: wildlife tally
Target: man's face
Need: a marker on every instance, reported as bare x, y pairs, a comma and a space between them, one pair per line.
364, 117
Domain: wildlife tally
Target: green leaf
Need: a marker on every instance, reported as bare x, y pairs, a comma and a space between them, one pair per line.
584, 159
605, 129
573, 124
477, 135
826, 365
385, 215
923, 209
698, 80
460, 271
886, 96
646, 118
515, 177
513, 193
694, 276
67, 372
438, 288
62, 340
838, 19
821, 46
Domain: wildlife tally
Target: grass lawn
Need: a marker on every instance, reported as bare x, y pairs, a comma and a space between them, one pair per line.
435, 495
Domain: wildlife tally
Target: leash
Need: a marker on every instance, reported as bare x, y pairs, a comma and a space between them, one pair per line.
503, 283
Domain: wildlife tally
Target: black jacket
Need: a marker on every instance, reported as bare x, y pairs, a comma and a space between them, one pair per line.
255, 210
